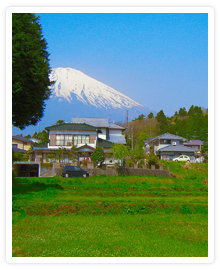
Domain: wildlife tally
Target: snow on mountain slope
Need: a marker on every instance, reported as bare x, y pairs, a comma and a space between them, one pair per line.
75, 94
70, 82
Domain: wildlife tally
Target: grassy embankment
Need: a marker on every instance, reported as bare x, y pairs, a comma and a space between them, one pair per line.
103, 216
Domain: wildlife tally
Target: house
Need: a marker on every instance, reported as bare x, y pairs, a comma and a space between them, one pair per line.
172, 151
65, 136
21, 144
109, 131
86, 137
196, 145
168, 146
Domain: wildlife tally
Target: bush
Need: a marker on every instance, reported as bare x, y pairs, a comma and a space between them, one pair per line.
98, 156
152, 159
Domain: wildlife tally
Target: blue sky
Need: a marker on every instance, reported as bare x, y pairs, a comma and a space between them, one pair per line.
158, 59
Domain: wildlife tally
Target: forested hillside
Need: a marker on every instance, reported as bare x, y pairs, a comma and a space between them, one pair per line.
191, 124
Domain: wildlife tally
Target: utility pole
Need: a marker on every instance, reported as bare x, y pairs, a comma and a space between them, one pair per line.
127, 123
38, 132
132, 148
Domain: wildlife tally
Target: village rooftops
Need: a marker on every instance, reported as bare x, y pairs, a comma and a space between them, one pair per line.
167, 136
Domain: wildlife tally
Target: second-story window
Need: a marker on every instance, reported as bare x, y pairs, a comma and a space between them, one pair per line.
64, 140
81, 139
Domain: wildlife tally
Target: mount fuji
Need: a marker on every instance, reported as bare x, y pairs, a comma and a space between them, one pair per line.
74, 94
85, 96
71, 83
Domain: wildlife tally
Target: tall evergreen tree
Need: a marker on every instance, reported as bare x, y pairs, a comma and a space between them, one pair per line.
162, 120
30, 70
182, 111
150, 115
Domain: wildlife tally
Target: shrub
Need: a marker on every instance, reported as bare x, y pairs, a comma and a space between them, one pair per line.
137, 155
98, 156
152, 159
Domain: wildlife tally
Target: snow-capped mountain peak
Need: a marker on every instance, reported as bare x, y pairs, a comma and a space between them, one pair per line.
71, 82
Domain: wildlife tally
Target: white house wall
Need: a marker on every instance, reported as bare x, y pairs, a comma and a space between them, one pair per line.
103, 134
115, 132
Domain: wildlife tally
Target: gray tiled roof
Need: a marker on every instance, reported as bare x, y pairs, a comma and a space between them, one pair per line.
177, 148
114, 126
117, 139
18, 150
168, 136
21, 138
96, 121
93, 121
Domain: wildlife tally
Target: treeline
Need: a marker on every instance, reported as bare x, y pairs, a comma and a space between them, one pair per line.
191, 124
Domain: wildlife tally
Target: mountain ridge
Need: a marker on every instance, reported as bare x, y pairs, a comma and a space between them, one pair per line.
87, 90
75, 94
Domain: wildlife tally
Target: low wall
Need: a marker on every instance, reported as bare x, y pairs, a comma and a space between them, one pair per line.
98, 171
154, 172
128, 171
120, 171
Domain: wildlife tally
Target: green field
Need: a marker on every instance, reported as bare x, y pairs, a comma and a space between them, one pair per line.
123, 216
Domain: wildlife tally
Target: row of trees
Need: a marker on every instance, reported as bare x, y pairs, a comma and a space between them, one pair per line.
193, 125
119, 151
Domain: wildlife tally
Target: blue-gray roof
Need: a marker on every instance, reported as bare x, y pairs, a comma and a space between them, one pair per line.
93, 121
21, 138
167, 136
96, 121
117, 139
18, 150
177, 148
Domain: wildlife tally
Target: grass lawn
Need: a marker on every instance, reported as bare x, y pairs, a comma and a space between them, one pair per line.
124, 216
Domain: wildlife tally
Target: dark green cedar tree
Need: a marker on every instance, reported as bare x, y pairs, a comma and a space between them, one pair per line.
162, 120
30, 70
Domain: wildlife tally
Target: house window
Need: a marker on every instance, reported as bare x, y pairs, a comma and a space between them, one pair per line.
14, 145
81, 139
64, 140
165, 141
